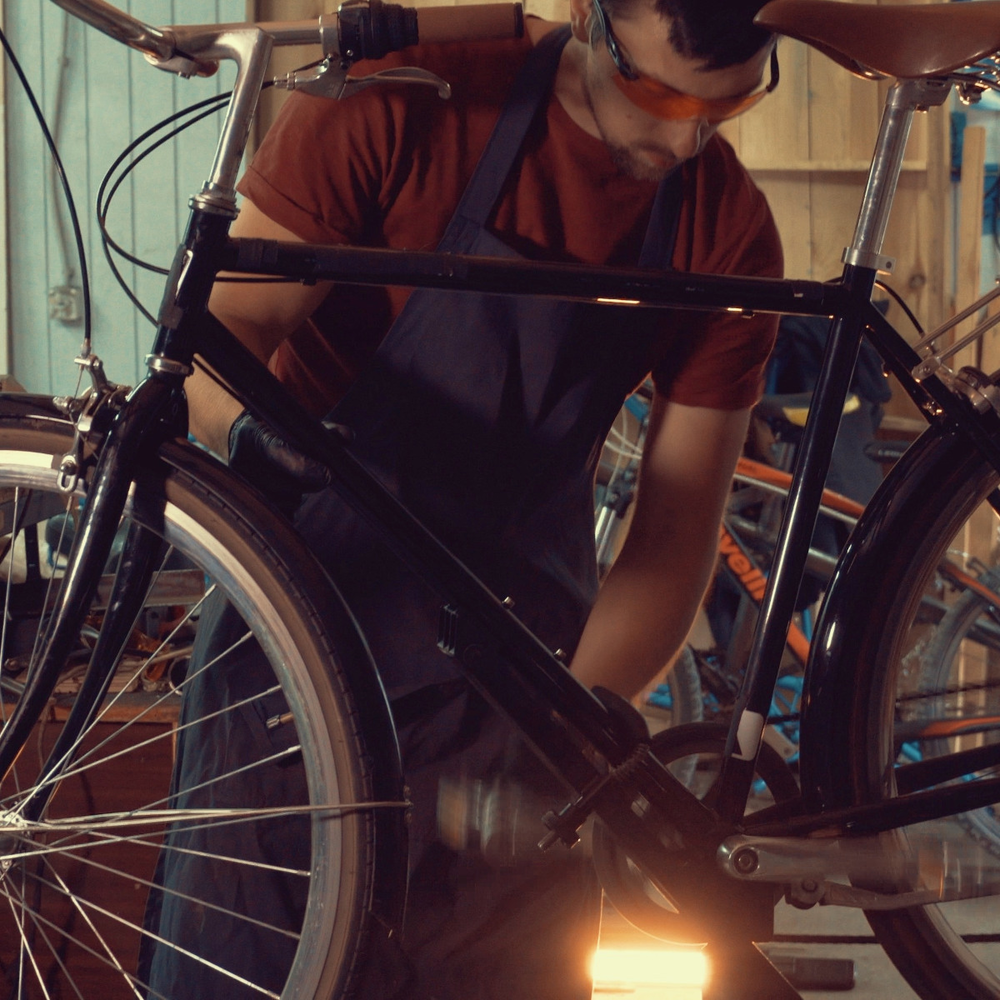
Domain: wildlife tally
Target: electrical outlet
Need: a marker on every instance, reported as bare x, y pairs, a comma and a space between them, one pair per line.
64, 304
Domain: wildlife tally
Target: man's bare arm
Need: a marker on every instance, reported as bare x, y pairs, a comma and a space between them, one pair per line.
261, 316
652, 594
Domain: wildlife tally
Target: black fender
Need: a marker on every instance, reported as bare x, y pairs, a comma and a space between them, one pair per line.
940, 472
43, 411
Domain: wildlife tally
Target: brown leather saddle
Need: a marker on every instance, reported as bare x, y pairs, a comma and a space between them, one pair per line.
918, 40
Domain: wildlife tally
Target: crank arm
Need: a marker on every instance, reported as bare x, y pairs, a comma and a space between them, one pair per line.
873, 873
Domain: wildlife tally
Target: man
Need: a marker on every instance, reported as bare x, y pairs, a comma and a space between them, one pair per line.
594, 143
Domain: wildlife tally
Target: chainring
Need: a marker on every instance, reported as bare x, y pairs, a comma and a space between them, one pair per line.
632, 894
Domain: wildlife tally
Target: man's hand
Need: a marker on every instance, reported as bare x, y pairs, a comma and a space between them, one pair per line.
273, 466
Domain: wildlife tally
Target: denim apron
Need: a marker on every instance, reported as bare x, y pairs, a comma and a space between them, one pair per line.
485, 415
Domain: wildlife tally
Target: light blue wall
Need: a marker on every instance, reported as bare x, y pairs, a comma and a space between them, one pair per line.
110, 96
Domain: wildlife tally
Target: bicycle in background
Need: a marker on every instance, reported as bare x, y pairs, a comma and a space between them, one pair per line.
947, 667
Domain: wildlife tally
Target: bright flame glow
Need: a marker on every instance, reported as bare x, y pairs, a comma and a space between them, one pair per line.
687, 967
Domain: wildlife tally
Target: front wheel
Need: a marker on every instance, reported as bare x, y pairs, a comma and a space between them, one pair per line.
903, 678
212, 832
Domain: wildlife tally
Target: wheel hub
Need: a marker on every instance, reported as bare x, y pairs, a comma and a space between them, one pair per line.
13, 833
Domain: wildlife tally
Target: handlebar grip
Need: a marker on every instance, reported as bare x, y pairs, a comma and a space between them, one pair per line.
470, 22
369, 29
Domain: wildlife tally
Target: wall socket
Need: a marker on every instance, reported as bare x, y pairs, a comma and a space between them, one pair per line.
65, 303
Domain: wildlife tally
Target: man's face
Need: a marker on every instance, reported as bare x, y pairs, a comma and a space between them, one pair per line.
643, 145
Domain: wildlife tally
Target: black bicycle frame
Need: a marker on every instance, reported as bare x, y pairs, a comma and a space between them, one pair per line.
553, 710
590, 743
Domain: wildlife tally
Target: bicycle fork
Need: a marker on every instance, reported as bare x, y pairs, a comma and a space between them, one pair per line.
151, 409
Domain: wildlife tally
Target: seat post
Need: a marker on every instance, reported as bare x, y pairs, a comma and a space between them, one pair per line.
904, 98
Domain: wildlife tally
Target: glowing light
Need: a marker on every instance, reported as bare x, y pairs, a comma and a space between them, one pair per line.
687, 967
619, 302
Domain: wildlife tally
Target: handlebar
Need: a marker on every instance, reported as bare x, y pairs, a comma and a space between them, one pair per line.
120, 26
361, 29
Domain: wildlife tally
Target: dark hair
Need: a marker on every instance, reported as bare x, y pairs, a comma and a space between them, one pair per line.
720, 32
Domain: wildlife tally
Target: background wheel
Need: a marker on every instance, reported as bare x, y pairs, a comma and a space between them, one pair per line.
958, 691
676, 702
270, 879
888, 618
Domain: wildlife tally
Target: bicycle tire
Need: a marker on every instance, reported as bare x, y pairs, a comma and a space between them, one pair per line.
961, 645
73, 896
851, 726
685, 687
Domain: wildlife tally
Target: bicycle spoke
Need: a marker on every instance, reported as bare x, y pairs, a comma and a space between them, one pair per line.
93, 908
19, 909
58, 771
82, 765
40, 923
111, 959
149, 884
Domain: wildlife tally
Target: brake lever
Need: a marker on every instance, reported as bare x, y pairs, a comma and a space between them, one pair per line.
330, 79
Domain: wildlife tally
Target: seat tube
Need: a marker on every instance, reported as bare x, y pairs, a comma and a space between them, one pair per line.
863, 259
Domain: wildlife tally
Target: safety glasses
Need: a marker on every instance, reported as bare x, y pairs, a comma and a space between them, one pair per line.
661, 101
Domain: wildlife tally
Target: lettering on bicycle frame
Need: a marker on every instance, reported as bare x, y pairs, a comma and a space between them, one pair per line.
754, 583
741, 565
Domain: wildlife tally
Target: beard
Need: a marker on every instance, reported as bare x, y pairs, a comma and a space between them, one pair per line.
638, 162
654, 166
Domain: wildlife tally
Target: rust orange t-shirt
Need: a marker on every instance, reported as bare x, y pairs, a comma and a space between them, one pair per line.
387, 166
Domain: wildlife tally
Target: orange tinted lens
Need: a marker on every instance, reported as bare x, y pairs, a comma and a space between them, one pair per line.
661, 101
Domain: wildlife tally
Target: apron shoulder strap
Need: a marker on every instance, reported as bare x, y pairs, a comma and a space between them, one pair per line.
531, 88
661, 232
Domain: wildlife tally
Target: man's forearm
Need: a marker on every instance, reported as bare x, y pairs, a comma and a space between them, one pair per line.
653, 592
212, 412
642, 617
261, 316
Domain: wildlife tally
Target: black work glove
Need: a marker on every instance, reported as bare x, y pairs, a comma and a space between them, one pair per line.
273, 466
